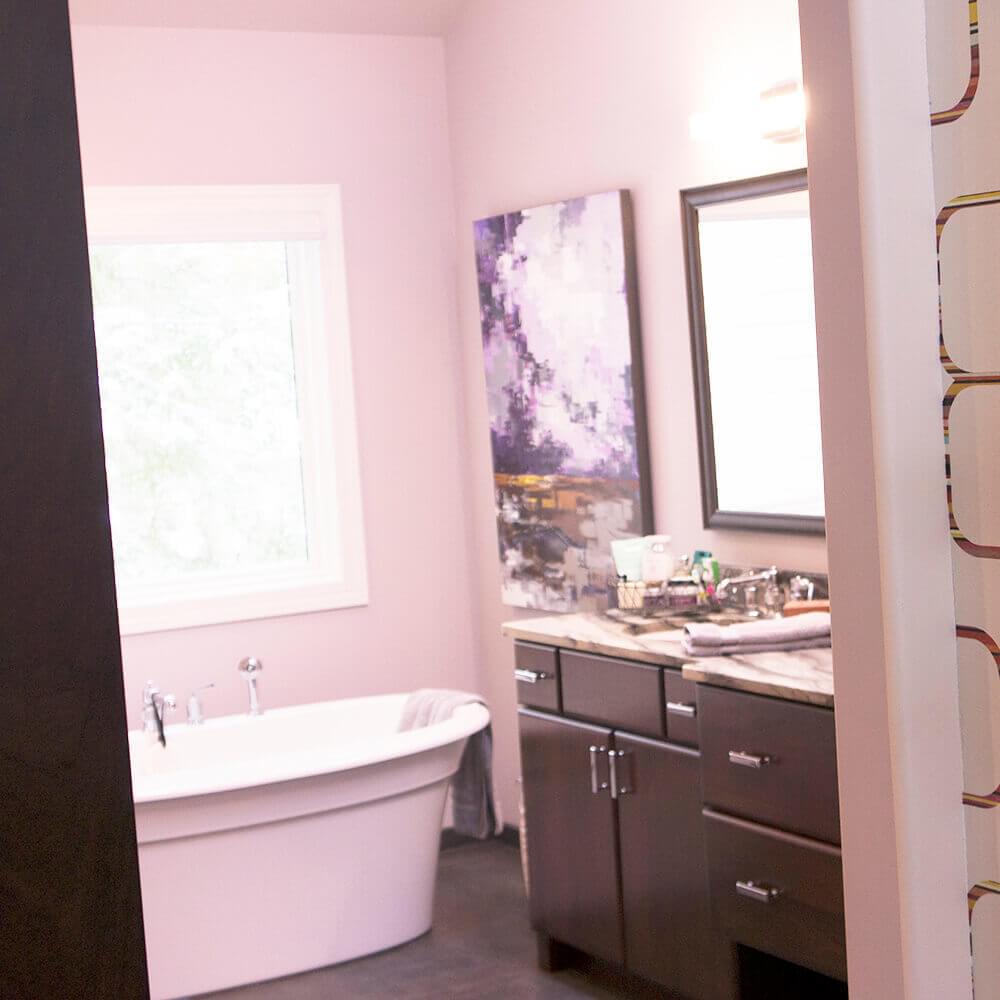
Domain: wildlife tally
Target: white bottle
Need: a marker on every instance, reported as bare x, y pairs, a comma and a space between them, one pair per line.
658, 561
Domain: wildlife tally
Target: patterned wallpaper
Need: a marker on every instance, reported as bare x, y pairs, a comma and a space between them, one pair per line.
963, 60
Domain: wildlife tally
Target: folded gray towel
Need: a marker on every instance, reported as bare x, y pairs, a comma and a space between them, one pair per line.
473, 800
781, 632
744, 648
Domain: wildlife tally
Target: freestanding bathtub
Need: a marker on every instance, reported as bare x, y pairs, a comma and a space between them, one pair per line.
288, 841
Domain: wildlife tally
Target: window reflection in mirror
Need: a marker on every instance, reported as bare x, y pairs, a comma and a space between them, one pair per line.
754, 350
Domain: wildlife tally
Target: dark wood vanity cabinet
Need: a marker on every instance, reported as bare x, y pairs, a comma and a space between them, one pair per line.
722, 832
769, 777
618, 876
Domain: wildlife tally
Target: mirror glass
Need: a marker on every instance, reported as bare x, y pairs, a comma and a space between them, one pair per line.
754, 351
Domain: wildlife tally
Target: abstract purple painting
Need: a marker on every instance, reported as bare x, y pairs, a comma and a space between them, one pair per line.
561, 347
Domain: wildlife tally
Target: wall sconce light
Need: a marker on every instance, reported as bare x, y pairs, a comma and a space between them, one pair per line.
777, 114
783, 112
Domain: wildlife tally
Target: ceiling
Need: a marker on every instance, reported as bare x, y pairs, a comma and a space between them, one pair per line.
363, 17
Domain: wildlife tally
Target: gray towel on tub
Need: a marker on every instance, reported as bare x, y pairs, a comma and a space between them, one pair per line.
473, 801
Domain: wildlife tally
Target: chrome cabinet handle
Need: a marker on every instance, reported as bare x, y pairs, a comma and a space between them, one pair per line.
681, 708
596, 785
532, 676
743, 759
757, 892
616, 787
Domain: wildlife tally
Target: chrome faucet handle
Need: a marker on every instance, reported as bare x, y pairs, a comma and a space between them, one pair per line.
150, 693
250, 667
195, 714
167, 704
151, 697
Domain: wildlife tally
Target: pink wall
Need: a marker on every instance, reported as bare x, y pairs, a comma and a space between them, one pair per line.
347, 17
368, 113
542, 102
575, 96
545, 101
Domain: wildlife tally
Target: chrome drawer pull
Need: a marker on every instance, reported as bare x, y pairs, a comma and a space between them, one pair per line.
757, 892
596, 785
681, 708
616, 789
744, 759
532, 676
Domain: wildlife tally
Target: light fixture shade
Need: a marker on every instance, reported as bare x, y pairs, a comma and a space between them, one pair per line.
775, 114
783, 112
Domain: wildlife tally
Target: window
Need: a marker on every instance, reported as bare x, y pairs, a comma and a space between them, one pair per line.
224, 362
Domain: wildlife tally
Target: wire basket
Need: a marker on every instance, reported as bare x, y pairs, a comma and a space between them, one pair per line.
631, 598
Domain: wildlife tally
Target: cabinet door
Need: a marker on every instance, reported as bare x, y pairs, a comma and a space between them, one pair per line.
664, 870
571, 834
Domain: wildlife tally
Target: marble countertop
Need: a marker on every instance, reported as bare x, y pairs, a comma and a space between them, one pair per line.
594, 633
802, 675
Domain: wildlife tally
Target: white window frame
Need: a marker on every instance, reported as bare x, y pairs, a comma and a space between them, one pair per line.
337, 570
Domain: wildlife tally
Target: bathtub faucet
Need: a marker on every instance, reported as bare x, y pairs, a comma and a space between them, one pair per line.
196, 714
154, 706
250, 667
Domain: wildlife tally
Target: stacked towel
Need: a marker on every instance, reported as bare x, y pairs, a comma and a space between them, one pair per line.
473, 801
809, 631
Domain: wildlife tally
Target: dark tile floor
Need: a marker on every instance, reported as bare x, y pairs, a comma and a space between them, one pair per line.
481, 948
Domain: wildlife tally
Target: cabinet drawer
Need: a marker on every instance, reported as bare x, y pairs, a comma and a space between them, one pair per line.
536, 670
770, 760
777, 892
681, 699
615, 692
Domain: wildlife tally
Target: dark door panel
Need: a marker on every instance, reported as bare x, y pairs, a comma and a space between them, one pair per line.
70, 915
571, 833
668, 937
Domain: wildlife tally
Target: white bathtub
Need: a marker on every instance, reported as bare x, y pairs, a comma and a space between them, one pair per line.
293, 840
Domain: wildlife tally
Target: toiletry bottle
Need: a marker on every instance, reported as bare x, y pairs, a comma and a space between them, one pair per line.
657, 559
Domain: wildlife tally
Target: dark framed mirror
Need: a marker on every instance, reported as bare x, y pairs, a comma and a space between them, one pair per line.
753, 345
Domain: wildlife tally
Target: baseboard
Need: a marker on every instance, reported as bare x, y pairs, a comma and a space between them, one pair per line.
449, 838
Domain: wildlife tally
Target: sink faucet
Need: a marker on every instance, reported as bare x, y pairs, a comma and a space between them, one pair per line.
746, 584
250, 667
154, 705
